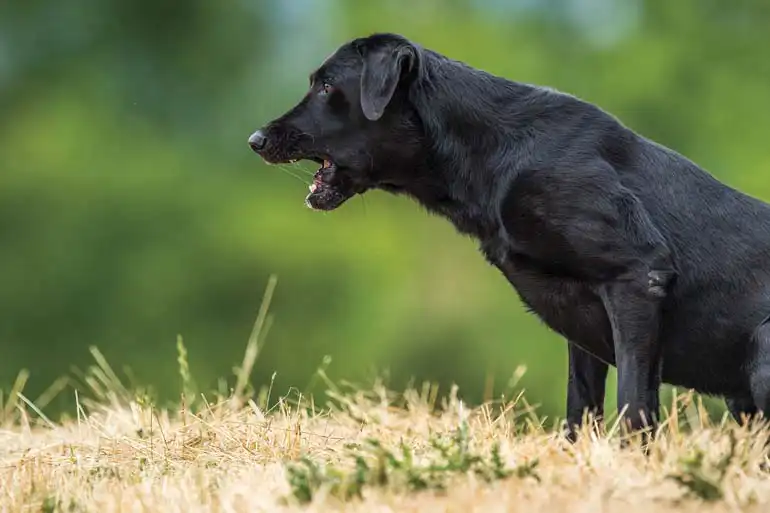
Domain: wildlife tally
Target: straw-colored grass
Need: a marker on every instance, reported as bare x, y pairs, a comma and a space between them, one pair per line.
237, 457
360, 450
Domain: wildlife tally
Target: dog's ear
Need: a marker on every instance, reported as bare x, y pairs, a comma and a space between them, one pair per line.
383, 70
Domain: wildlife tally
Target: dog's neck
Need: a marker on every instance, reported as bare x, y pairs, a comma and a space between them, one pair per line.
457, 178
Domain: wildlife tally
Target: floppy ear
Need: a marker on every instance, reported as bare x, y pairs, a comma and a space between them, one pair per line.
383, 69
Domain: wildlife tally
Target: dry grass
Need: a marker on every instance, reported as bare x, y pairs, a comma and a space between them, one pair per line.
369, 450
235, 456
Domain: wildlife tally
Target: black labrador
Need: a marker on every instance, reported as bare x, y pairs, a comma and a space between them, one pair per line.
632, 252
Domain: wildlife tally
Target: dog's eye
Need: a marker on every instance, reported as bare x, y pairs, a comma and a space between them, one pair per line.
326, 88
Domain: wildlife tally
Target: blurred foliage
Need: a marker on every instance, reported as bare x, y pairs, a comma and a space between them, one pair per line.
131, 209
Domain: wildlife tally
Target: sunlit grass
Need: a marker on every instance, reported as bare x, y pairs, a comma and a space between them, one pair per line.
356, 449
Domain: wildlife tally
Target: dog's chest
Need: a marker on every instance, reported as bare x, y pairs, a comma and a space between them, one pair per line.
566, 305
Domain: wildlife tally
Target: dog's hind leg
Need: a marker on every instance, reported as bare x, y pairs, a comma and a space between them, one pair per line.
759, 377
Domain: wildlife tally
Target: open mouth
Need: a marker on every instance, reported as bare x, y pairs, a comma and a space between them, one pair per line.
318, 178
330, 187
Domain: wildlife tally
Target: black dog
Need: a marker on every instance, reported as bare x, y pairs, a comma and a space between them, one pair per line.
632, 252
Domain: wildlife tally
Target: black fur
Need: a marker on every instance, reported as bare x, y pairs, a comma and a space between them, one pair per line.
636, 255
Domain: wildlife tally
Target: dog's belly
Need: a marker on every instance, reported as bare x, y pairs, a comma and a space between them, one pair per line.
708, 365
707, 342
568, 307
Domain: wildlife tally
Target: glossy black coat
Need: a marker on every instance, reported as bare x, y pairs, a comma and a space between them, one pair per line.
635, 254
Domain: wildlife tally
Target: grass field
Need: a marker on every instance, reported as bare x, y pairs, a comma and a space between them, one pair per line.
356, 449
363, 451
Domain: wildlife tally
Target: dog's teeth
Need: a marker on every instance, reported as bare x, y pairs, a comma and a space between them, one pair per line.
313, 187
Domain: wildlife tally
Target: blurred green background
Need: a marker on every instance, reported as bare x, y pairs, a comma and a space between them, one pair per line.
132, 210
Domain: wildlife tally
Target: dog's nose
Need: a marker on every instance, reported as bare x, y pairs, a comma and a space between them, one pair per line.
257, 141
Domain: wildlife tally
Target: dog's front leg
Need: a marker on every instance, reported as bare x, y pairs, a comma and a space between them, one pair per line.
585, 389
633, 307
583, 226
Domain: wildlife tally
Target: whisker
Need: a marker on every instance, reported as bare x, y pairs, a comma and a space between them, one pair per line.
299, 167
290, 173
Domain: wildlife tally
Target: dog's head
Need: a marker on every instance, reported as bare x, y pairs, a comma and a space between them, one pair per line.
355, 121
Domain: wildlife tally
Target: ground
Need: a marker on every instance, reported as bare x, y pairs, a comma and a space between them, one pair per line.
366, 451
